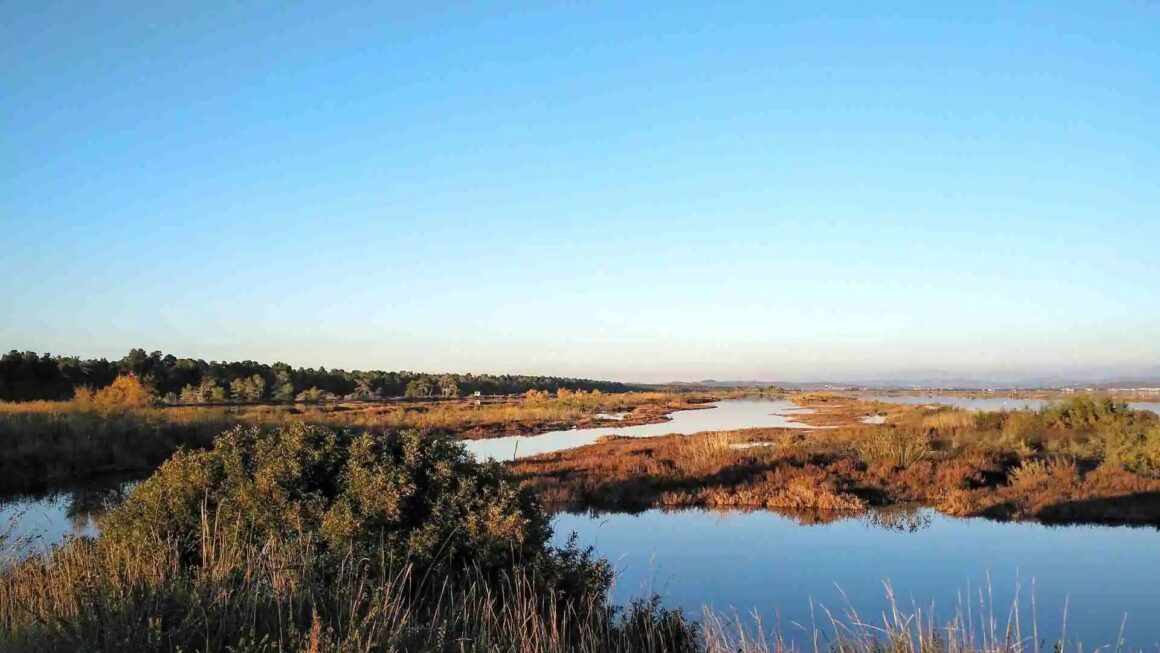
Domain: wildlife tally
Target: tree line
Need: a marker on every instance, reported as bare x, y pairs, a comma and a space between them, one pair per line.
28, 376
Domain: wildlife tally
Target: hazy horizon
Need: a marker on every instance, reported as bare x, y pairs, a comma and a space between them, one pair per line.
656, 192
656, 374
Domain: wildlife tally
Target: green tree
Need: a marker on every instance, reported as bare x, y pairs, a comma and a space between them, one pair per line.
447, 386
218, 394
249, 389
189, 395
283, 386
419, 387
312, 395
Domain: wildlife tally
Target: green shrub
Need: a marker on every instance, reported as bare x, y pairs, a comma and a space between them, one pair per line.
402, 497
1080, 413
1135, 447
986, 420
1022, 427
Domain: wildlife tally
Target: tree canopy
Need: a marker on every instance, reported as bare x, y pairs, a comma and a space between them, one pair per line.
27, 376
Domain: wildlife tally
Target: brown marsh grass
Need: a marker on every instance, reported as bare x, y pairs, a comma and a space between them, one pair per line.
1083, 462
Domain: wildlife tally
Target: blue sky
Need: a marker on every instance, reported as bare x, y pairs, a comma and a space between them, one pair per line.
655, 191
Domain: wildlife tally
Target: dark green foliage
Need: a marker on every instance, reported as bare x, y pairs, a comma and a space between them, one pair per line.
412, 498
1135, 446
1082, 413
1097, 430
28, 376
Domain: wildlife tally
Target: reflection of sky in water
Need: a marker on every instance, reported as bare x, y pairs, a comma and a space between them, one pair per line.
727, 415
30, 526
1153, 406
770, 562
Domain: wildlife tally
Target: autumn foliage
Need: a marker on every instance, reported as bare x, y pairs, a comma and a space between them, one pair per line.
126, 392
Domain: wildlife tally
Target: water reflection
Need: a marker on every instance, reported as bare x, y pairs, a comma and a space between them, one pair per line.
776, 563
33, 524
1151, 406
783, 564
88, 505
901, 518
724, 415
904, 519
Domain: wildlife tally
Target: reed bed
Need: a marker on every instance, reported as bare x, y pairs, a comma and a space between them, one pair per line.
49, 444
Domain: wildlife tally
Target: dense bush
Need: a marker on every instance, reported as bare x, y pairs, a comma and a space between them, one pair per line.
402, 497
1085, 412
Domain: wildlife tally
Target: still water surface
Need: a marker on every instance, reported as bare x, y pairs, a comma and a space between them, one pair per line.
31, 525
1153, 406
725, 415
774, 564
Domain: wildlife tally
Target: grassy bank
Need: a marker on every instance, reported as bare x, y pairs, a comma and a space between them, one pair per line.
45, 445
1079, 461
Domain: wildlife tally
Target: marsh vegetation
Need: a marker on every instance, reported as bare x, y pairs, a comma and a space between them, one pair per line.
367, 526
123, 429
317, 539
1084, 460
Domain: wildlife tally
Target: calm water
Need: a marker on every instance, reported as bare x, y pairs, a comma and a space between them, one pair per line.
1153, 406
725, 415
774, 564
986, 403
32, 525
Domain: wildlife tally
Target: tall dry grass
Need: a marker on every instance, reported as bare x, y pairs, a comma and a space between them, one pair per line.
46, 444
703, 448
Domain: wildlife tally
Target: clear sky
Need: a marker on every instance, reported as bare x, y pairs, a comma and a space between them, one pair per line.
644, 191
